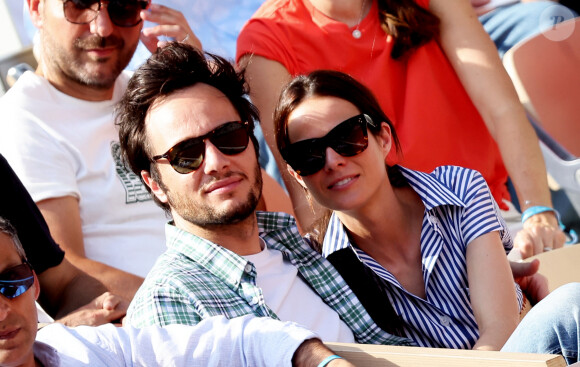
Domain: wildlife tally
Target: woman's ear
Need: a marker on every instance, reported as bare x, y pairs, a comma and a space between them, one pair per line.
296, 176
385, 137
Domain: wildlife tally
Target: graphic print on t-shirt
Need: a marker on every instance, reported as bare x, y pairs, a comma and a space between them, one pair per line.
135, 190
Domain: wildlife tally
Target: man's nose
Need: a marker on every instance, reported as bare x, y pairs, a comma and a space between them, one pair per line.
4, 308
102, 24
215, 160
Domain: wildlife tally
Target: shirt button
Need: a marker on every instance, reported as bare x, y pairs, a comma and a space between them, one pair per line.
248, 268
445, 321
253, 301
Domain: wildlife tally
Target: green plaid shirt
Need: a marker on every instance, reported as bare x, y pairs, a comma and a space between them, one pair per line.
196, 279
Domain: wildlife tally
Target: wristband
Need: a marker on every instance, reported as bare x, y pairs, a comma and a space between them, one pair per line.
533, 210
328, 359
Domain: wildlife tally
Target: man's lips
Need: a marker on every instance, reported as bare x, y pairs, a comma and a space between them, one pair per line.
101, 52
226, 184
9, 334
342, 182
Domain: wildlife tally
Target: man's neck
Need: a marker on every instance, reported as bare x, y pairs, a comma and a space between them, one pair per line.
242, 237
75, 89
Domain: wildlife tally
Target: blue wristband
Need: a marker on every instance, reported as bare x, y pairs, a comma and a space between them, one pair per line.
328, 359
533, 210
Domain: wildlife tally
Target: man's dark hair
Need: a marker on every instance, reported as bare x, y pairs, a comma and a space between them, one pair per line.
172, 68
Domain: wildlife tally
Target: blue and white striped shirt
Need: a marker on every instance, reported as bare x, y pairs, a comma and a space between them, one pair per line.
458, 209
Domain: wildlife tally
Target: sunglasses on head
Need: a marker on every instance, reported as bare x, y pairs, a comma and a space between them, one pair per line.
348, 138
121, 13
16, 281
230, 138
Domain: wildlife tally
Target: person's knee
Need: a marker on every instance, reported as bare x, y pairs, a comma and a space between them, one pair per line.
568, 295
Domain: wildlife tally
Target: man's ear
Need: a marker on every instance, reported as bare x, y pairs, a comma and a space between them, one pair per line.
296, 176
36, 286
35, 8
154, 186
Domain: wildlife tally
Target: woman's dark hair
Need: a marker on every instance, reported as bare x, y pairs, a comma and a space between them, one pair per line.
172, 68
368, 287
408, 23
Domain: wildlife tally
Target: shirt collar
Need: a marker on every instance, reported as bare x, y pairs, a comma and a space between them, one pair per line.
432, 191
46, 354
221, 262
278, 230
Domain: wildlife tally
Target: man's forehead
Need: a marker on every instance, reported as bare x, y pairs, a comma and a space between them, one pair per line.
9, 256
192, 111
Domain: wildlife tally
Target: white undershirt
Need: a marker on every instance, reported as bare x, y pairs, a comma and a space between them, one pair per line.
286, 293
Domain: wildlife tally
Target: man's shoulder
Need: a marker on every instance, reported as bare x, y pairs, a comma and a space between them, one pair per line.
28, 89
171, 266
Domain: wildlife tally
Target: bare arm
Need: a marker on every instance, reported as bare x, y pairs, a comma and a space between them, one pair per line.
492, 291
65, 288
476, 62
266, 79
312, 352
63, 218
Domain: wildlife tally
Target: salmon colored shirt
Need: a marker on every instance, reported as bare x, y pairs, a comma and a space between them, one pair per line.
433, 116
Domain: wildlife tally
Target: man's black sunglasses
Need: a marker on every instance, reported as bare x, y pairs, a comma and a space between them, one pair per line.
122, 13
230, 138
348, 138
16, 281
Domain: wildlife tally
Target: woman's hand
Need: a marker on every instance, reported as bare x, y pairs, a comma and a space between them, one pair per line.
170, 23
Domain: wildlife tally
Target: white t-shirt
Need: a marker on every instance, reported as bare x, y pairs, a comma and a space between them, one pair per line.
62, 146
286, 293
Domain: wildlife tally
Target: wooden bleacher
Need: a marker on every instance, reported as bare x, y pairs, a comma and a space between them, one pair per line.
391, 356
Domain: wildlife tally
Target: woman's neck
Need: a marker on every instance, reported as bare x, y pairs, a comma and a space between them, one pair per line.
393, 218
349, 12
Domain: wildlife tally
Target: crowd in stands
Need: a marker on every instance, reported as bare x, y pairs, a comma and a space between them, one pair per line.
133, 199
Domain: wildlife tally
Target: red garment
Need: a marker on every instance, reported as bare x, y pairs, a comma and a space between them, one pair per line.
434, 117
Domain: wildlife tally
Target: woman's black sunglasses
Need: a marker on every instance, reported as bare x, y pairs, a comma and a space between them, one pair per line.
122, 13
16, 281
348, 138
230, 138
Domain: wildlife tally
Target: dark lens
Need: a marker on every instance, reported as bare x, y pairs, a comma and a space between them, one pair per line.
16, 280
306, 157
15, 290
80, 11
126, 13
231, 138
349, 138
187, 156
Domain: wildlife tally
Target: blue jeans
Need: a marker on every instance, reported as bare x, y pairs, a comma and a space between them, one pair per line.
552, 326
509, 24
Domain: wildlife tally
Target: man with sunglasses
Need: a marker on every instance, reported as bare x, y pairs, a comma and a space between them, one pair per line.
186, 126
245, 341
59, 136
69, 295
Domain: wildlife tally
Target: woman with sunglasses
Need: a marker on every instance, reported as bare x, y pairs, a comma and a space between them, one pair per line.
425, 253
436, 74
